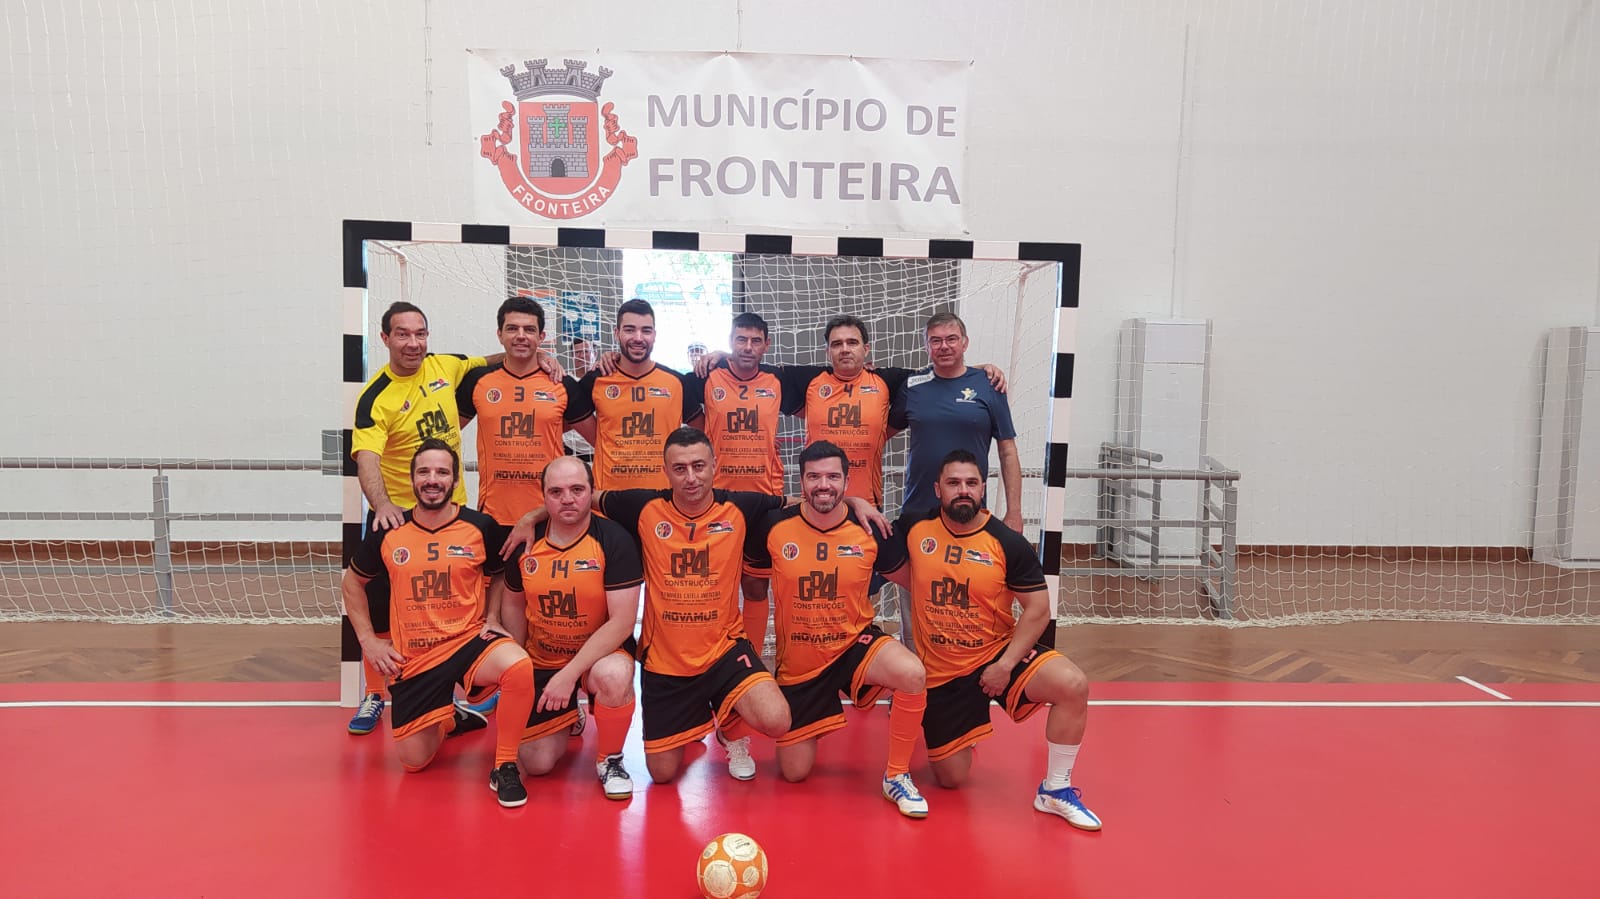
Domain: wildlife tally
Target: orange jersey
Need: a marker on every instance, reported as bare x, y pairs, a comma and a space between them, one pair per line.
633, 417
566, 587
854, 415
692, 568
961, 591
742, 422
819, 582
437, 581
520, 422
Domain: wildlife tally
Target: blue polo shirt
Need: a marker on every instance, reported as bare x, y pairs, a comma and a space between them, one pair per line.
944, 414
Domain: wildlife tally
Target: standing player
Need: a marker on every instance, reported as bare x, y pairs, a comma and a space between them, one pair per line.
523, 411
440, 558
820, 559
951, 407
409, 400
742, 404
627, 414
963, 568
583, 574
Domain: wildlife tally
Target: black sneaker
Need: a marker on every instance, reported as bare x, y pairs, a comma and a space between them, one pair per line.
507, 785
467, 720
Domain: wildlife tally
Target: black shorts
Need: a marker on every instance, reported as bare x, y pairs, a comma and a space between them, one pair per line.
423, 699
814, 707
680, 710
958, 710
555, 721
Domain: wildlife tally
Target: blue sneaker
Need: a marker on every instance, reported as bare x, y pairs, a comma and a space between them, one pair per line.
487, 707
904, 794
1068, 803
467, 720
369, 714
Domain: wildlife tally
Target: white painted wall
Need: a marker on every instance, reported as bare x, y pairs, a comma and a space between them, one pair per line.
1381, 206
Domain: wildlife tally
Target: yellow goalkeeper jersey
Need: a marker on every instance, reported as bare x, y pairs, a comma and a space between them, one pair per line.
394, 415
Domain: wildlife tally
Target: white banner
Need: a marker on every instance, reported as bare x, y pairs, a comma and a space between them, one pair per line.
744, 141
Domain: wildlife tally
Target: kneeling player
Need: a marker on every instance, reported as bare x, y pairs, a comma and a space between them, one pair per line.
963, 568
583, 574
820, 559
439, 560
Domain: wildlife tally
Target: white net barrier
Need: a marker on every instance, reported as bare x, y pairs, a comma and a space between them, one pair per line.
1007, 306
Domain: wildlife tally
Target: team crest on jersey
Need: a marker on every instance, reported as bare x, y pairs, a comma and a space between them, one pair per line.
664, 530
405, 407
400, 555
847, 552
613, 391
438, 384
791, 552
982, 558
585, 565
457, 551
719, 527
967, 395
546, 147
718, 394
540, 396
530, 564
928, 545
660, 392
492, 395
825, 391
765, 393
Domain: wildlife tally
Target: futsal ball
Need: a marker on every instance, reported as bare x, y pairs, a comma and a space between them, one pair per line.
732, 865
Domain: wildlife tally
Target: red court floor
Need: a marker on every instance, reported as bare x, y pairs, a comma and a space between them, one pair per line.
1206, 790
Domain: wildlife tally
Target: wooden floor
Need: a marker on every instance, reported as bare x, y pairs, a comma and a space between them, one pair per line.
1362, 652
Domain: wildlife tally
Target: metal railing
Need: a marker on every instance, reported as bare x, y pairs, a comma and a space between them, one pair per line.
1127, 477
161, 516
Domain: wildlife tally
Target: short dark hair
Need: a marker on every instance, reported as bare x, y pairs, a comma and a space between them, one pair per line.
637, 307
578, 340
579, 459
750, 320
823, 449
435, 443
524, 305
844, 321
956, 457
686, 436
399, 307
945, 318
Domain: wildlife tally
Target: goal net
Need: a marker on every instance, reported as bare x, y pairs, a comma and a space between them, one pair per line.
1008, 307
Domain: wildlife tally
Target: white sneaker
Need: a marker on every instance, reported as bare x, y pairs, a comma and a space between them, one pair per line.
614, 778
1068, 803
900, 790
583, 719
740, 764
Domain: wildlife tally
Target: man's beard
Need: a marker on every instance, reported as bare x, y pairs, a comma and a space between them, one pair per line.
962, 510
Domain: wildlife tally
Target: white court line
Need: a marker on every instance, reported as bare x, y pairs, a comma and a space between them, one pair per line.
1472, 683
1103, 703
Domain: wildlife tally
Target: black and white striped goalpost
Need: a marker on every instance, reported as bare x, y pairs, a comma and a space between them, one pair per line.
357, 232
